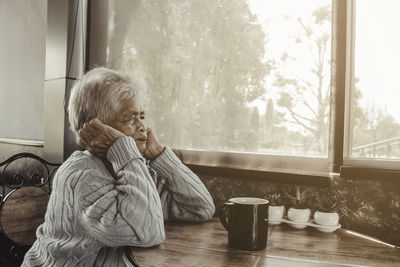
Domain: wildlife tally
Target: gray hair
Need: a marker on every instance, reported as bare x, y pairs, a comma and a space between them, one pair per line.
98, 94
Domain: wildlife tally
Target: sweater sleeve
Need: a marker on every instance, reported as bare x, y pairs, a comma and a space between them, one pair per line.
183, 195
123, 211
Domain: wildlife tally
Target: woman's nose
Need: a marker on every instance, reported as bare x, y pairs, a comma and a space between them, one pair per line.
140, 125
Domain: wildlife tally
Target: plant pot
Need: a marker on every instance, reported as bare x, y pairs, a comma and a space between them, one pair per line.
275, 214
326, 218
299, 215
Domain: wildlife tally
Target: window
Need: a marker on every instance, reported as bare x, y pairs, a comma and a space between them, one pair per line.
374, 112
242, 84
22, 61
232, 77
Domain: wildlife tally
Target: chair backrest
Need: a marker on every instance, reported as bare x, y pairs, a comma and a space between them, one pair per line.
26, 184
21, 214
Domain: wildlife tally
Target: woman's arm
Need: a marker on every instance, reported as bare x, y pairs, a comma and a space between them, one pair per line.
183, 195
122, 211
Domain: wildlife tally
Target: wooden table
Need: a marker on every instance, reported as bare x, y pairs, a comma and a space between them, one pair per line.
189, 244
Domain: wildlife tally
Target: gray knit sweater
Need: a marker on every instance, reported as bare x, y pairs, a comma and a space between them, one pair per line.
91, 216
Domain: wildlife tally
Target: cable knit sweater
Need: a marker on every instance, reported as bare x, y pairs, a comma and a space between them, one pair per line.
91, 216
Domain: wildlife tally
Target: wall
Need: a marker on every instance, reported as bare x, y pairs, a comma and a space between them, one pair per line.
22, 67
22, 58
368, 207
8, 150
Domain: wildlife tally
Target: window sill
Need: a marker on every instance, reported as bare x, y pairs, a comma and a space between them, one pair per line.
273, 168
21, 142
362, 173
277, 177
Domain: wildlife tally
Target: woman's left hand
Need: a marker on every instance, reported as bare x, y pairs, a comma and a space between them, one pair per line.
153, 147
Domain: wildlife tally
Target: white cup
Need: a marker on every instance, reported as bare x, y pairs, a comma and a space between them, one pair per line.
299, 215
326, 218
275, 214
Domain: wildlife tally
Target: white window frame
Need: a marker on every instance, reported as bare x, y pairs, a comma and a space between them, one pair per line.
348, 161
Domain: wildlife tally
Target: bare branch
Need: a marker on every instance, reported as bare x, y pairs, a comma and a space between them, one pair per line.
294, 116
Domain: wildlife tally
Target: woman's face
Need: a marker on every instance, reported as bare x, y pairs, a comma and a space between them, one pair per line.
130, 122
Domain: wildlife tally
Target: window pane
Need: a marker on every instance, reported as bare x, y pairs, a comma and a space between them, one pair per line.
22, 66
229, 75
375, 117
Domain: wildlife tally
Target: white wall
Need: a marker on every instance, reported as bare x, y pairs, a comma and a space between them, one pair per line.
22, 68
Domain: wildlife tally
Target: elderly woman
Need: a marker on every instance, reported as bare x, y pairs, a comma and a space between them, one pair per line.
107, 197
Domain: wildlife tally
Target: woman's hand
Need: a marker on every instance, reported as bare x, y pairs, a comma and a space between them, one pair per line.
97, 137
153, 147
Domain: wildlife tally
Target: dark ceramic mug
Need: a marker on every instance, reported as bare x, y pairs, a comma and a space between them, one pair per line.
247, 223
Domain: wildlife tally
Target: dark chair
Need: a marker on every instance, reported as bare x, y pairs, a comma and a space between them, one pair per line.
26, 185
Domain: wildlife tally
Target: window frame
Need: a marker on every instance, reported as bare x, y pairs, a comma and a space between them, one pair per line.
352, 167
304, 170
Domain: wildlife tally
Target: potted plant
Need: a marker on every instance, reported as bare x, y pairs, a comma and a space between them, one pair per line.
326, 212
275, 210
298, 212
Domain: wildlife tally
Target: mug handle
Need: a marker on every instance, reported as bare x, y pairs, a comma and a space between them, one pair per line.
223, 213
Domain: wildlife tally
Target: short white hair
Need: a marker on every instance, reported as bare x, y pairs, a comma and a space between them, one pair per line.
98, 95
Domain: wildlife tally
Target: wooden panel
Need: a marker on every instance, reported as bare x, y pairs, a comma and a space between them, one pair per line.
174, 255
191, 244
339, 247
272, 261
167, 255
22, 212
209, 235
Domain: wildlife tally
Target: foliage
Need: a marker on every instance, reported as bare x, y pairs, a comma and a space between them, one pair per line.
332, 202
326, 205
297, 200
372, 125
306, 100
203, 62
275, 199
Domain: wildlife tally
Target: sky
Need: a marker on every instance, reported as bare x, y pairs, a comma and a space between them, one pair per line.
377, 54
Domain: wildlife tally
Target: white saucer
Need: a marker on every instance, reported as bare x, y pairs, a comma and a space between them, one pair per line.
302, 225
324, 228
275, 222
297, 225
328, 229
